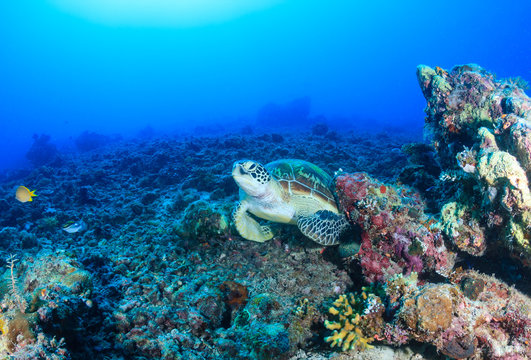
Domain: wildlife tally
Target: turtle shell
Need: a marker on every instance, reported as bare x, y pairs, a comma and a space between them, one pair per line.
298, 177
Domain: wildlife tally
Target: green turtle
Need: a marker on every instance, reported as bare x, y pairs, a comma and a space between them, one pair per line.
286, 191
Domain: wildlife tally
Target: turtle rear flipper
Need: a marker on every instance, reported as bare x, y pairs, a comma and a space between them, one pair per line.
324, 226
248, 227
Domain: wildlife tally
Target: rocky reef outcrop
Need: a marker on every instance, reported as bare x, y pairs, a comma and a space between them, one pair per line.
481, 130
480, 205
472, 316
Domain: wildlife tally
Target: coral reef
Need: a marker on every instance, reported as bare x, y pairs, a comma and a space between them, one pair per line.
481, 129
396, 235
159, 272
474, 316
48, 302
168, 279
359, 321
204, 220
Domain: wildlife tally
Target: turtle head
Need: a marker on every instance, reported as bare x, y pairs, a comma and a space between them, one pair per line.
251, 177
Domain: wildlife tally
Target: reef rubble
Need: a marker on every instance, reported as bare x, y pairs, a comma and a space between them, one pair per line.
167, 277
159, 271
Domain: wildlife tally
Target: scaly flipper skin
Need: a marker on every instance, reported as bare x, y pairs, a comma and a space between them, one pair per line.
249, 228
324, 227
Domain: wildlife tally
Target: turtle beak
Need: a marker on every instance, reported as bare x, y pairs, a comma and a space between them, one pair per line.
245, 181
241, 176
237, 169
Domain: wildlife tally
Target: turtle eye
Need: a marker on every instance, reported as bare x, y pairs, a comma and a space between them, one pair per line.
242, 171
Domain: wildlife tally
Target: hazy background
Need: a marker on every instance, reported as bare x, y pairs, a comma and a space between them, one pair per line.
116, 66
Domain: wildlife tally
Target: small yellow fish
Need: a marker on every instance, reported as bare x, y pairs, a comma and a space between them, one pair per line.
24, 194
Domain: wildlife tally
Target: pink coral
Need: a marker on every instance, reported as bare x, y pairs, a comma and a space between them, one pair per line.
396, 235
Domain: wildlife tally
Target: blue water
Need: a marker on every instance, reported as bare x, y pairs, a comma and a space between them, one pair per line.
115, 68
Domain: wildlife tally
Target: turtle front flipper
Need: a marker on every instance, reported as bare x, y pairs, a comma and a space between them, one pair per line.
248, 227
324, 226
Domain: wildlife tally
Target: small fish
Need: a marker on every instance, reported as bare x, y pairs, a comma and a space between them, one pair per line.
24, 194
72, 227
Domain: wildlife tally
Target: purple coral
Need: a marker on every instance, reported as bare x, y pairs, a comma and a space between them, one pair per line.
414, 263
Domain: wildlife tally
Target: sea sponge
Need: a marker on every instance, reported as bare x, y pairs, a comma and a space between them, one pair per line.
474, 315
435, 308
429, 311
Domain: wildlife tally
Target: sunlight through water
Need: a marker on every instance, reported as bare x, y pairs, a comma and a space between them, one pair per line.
176, 13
